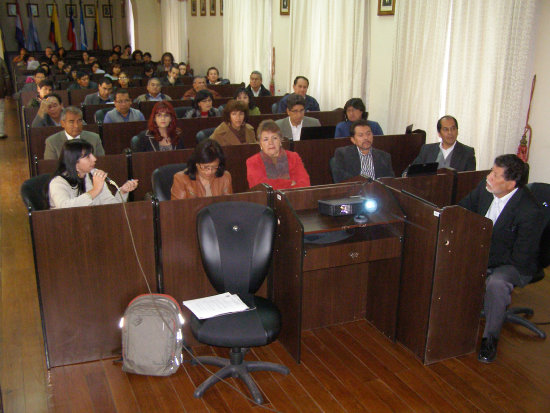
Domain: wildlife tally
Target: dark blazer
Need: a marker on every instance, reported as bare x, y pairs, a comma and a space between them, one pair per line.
147, 142
263, 90
347, 163
517, 231
463, 157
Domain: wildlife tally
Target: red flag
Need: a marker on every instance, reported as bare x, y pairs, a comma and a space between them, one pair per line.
71, 33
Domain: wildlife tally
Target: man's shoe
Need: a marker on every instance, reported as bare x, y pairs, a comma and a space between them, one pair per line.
488, 350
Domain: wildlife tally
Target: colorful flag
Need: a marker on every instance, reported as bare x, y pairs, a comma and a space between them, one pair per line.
97, 34
33, 42
71, 31
55, 32
19, 32
83, 37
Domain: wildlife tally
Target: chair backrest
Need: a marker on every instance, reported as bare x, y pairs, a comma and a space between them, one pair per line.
332, 166
204, 134
236, 243
274, 107
541, 191
181, 111
163, 178
134, 144
33, 192
100, 114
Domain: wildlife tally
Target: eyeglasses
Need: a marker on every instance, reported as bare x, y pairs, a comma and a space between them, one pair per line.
451, 129
298, 111
123, 101
203, 167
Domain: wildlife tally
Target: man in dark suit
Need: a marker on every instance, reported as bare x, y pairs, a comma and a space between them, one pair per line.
449, 153
517, 225
255, 86
361, 158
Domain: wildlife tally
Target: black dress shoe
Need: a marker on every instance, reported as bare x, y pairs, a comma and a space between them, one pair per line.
488, 350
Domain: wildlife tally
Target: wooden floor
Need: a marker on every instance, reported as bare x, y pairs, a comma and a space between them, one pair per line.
345, 368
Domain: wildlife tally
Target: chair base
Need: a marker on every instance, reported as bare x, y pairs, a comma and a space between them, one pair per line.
236, 367
513, 317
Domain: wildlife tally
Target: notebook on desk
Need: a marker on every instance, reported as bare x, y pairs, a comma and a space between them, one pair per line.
317, 132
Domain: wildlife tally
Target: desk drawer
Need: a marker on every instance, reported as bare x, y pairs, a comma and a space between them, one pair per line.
350, 253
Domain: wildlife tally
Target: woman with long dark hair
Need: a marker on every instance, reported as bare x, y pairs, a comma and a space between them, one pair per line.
205, 174
162, 133
74, 185
202, 106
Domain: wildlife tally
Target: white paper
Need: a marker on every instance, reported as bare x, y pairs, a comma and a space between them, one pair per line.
216, 305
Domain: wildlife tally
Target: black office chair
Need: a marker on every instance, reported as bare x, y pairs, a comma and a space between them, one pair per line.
332, 166
33, 191
99, 115
163, 178
274, 107
236, 243
134, 143
181, 111
204, 134
541, 191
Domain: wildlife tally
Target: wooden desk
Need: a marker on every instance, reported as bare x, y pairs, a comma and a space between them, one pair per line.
318, 285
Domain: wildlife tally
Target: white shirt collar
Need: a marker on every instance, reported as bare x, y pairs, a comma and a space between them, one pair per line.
498, 204
296, 130
69, 137
446, 152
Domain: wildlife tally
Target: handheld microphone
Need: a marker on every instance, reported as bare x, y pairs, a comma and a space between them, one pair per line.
107, 179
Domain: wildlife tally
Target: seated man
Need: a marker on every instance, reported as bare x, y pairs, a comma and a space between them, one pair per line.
49, 113
256, 86
45, 87
291, 127
153, 92
301, 84
71, 121
122, 111
38, 77
449, 153
199, 83
361, 158
517, 225
82, 82
103, 94
172, 77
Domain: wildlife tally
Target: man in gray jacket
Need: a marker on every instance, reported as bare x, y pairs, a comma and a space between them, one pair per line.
291, 127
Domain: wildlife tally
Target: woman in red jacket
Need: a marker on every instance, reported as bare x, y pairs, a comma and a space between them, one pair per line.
273, 165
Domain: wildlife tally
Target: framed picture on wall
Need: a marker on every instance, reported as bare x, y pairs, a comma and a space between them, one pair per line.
32, 10
285, 7
386, 7
68, 8
49, 9
89, 11
11, 9
221, 7
203, 7
107, 11
193, 7
212, 7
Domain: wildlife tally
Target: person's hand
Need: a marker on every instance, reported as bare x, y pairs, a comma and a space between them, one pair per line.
129, 186
43, 109
98, 180
293, 183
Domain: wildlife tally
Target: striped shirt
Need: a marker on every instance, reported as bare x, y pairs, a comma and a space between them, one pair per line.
367, 164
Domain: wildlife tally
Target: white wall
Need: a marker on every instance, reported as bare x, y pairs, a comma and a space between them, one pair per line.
539, 118
147, 27
281, 43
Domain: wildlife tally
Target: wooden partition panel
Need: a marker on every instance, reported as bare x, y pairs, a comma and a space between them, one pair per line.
235, 162
437, 189
87, 274
26, 97
144, 163
37, 138
402, 148
316, 155
116, 137
467, 182
76, 97
183, 273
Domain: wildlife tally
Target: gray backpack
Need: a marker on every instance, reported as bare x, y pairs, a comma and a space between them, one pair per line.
152, 337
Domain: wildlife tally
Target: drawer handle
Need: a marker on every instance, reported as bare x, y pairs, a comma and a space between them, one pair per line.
354, 255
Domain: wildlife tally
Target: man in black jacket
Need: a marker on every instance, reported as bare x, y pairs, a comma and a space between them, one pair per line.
517, 225
256, 87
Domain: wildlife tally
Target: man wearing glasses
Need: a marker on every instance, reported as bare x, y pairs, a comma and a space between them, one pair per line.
122, 111
449, 153
291, 127
154, 93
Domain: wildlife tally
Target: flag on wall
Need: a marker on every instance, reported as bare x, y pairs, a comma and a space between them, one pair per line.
33, 42
83, 37
71, 31
19, 32
97, 34
55, 32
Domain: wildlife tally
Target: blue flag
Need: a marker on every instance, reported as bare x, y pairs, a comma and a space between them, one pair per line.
33, 42
83, 37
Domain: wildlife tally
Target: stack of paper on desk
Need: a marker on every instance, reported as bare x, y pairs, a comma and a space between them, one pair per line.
208, 307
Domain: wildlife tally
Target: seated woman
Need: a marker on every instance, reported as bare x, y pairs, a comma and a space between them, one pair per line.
166, 63
124, 80
115, 71
161, 134
73, 184
126, 53
182, 67
273, 165
244, 95
355, 109
213, 77
137, 56
202, 106
234, 130
205, 174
